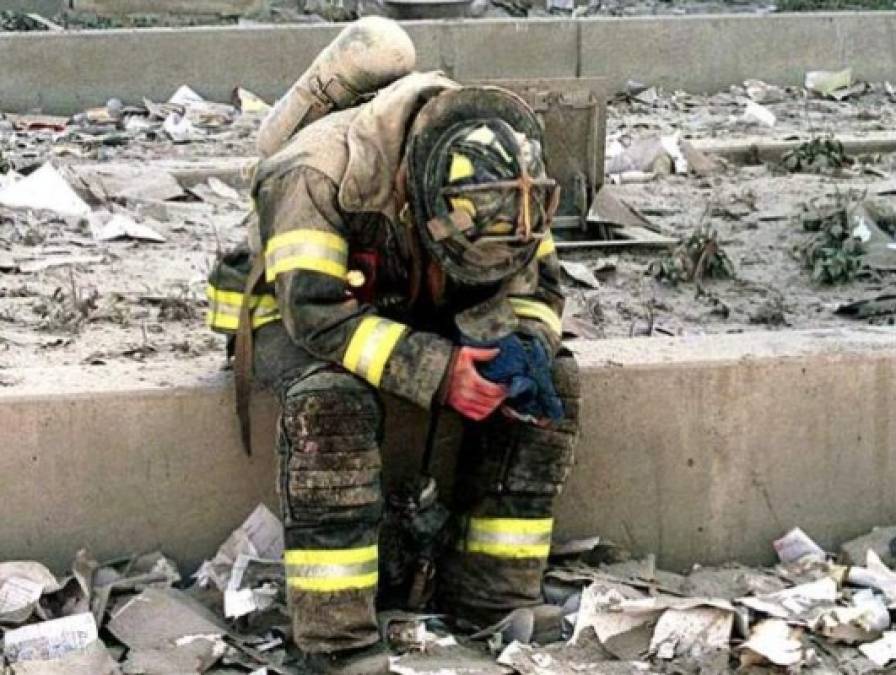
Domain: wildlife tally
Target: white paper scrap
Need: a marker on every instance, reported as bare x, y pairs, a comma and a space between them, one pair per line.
44, 189
50, 639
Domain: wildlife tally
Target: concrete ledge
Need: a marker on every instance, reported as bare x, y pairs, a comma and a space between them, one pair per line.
699, 449
710, 53
66, 72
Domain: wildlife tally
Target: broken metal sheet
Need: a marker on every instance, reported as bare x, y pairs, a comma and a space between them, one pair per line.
775, 642
21, 586
159, 617
260, 536
47, 190
882, 651
795, 545
50, 639
94, 659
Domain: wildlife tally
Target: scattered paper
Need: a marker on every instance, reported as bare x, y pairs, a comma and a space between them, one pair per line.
793, 602
50, 639
44, 189
882, 651
248, 102
755, 113
21, 585
180, 129
186, 97
795, 545
122, 226
691, 632
774, 641
94, 659
827, 82
261, 536
762, 92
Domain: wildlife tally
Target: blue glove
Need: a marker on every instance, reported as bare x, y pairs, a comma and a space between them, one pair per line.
524, 366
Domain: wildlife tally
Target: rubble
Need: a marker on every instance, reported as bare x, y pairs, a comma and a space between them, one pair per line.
140, 615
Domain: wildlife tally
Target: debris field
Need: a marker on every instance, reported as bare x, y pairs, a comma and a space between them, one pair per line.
605, 613
767, 208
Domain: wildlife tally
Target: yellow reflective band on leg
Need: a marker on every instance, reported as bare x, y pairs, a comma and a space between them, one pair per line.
546, 247
371, 346
324, 571
461, 167
312, 250
224, 309
510, 537
533, 309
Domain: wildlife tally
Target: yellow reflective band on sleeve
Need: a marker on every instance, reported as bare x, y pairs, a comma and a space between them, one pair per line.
312, 250
461, 167
546, 247
510, 537
224, 309
371, 346
331, 570
533, 309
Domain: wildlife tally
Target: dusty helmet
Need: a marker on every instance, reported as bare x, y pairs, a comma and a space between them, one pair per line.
477, 185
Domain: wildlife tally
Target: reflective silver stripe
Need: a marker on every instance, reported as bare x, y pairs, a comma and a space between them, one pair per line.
371, 348
331, 571
509, 537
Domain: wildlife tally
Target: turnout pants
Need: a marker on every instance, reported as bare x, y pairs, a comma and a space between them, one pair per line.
329, 483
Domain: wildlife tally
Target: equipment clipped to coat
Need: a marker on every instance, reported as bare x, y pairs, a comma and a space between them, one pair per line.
524, 366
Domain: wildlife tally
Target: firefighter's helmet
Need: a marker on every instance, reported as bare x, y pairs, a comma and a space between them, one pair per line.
477, 186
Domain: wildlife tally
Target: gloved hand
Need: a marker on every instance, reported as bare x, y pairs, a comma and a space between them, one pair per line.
469, 393
524, 365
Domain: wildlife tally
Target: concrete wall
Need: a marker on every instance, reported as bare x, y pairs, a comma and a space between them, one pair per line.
698, 449
69, 71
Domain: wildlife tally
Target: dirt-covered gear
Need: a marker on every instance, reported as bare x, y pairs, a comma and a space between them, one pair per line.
366, 56
361, 309
480, 196
331, 503
508, 476
472, 395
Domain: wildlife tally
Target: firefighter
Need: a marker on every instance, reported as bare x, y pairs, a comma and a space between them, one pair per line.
402, 245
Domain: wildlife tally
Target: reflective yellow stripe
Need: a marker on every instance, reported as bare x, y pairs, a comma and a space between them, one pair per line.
533, 309
461, 167
225, 307
510, 537
339, 556
546, 247
371, 346
325, 584
512, 525
331, 570
312, 250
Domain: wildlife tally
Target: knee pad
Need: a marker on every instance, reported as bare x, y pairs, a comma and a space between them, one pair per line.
329, 437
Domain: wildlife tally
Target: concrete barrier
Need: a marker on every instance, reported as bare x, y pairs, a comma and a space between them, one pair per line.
698, 449
66, 72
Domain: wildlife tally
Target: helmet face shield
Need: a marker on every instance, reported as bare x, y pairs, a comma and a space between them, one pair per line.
478, 186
